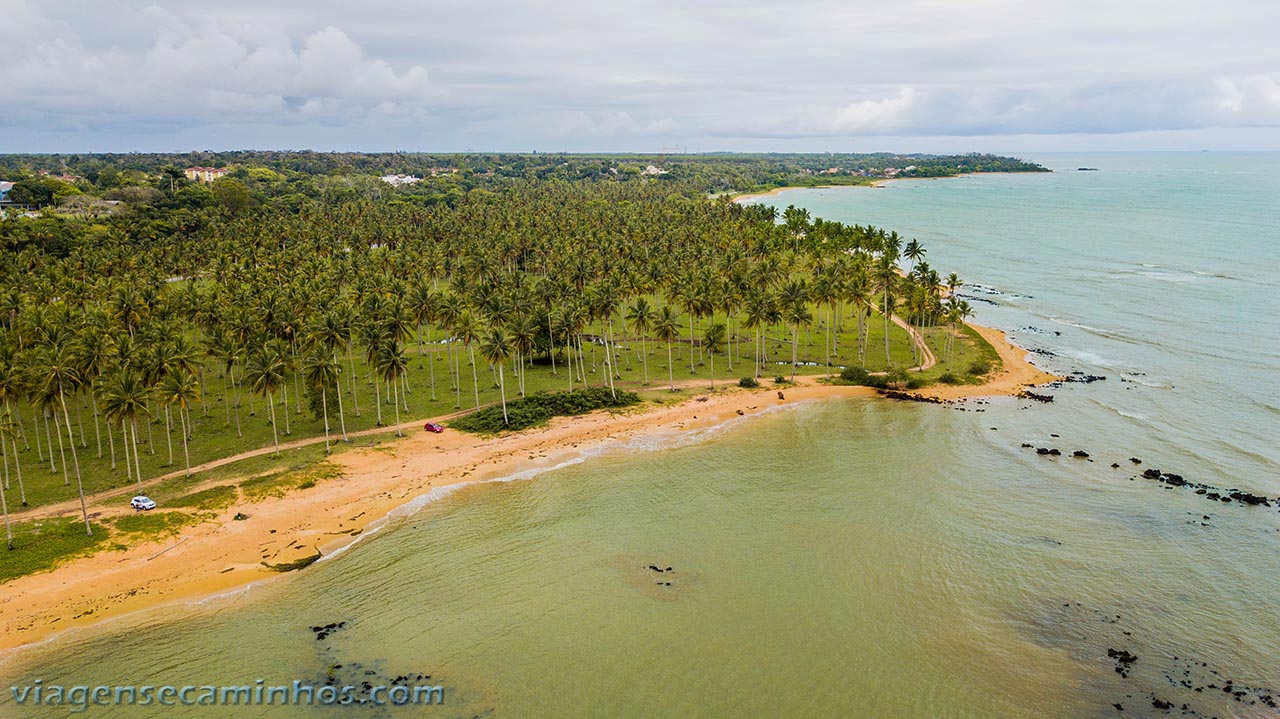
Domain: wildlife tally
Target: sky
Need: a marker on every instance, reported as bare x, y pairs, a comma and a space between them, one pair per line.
1003, 76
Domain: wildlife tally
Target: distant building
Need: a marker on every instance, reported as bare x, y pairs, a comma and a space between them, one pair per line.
4, 190
205, 174
651, 170
65, 177
400, 180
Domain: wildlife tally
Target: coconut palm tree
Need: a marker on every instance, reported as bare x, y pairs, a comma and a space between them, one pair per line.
666, 327
391, 364
713, 340
322, 371
123, 397
641, 316
495, 347
59, 377
180, 389
264, 371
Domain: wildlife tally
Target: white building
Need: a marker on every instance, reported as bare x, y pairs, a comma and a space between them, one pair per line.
400, 180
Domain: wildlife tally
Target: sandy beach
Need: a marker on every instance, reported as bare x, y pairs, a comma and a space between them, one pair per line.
223, 554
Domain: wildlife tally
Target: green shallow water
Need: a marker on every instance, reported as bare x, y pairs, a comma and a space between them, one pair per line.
851, 558
843, 558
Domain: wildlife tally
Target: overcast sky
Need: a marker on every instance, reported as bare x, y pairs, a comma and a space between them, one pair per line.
578, 75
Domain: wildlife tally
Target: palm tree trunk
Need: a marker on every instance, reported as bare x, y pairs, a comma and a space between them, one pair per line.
186, 455
128, 468
48, 437
274, 436
502, 390
475, 381
395, 401
671, 377
168, 432
111, 443
284, 389
324, 408
795, 346
644, 361
97, 434
4, 503
355, 396
377, 400
62, 452
22, 490
75, 458
431, 367
137, 457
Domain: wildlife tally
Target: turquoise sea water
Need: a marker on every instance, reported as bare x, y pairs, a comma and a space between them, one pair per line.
853, 558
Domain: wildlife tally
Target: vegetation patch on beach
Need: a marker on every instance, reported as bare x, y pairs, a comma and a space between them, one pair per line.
537, 409
154, 524
43, 544
219, 497
277, 484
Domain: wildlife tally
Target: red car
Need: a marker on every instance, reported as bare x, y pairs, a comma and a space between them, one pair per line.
433, 427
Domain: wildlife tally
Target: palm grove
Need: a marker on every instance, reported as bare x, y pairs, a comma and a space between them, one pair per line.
145, 349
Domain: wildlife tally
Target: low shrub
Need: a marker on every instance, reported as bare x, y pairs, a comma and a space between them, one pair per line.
748, 382
860, 376
949, 377
979, 367
780, 380
916, 383
536, 409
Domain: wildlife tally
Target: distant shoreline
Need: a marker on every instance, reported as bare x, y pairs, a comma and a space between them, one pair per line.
742, 197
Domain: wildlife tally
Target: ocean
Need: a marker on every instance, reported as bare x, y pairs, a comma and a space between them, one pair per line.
858, 557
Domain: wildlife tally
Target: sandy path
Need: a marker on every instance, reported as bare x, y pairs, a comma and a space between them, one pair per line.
224, 554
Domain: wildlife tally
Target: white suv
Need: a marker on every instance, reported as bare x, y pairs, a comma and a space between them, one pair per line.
142, 503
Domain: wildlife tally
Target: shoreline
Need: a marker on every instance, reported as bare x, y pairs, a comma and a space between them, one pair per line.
223, 556
874, 184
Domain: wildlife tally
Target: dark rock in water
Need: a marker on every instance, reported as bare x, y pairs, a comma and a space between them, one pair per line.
1151, 474
1028, 394
909, 397
1119, 707
1161, 704
1080, 453
1027, 445
1054, 436
1174, 479
1115, 465
1055, 452
1083, 378
1248, 498
1135, 460
1042, 450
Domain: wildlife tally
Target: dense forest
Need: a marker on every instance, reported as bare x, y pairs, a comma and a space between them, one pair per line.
195, 320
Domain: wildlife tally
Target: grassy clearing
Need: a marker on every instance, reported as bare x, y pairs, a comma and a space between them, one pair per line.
42, 545
277, 484
144, 526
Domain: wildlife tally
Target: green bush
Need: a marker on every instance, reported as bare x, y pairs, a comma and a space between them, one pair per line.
748, 382
860, 376
949, 377
537, 408
979, 368
780, 380
916, 383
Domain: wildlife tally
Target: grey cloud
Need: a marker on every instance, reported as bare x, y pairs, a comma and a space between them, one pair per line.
608, 74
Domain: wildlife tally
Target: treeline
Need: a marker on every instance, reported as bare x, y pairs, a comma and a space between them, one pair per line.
292, 177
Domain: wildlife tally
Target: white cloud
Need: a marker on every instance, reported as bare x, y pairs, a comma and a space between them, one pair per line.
607, 74
202, 72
